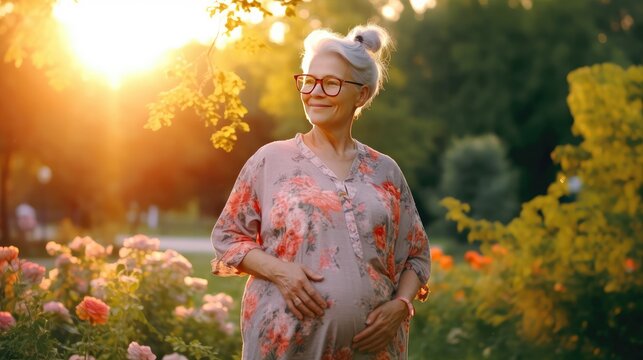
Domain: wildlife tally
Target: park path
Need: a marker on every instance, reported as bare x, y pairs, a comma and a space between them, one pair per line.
188, 244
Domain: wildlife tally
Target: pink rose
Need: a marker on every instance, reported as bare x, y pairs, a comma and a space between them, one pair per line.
198, 284
95, 250
99, 288
183, 312
139, 352
224, 299
53, 248
80, 242
32, 272
6, 321
142, 242
57, 308
215, 311
65, 259
174, 356
177, 262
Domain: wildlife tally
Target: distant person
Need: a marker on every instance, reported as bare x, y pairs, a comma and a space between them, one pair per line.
325, 225
26, 221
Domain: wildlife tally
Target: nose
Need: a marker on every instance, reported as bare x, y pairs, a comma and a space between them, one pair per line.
317, 89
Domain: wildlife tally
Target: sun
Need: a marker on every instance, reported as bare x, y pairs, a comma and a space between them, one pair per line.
117, 38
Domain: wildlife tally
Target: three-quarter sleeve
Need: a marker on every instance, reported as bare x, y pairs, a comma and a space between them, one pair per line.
413, 237
237, 229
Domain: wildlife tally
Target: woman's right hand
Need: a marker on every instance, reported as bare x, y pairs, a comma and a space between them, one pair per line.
294, 282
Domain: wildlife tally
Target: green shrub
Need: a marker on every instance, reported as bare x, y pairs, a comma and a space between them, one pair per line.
476, 171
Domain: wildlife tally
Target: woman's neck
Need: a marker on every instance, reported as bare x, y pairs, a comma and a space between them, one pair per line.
339, 143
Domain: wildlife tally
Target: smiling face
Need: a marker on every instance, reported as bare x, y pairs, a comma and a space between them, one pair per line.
338, 111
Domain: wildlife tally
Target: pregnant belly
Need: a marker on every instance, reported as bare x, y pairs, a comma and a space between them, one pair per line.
351, 298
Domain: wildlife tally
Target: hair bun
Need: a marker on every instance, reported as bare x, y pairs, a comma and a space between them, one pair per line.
373, 37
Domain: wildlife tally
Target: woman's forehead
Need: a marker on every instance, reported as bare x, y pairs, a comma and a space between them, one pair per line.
328, 63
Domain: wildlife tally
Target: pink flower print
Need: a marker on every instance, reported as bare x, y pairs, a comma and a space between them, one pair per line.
383, 355
139, 352
289, 244
326, 201
365, 169
6, 321
279, 335
279, 211
302, 181
327, 258
374, 155
250, 302
239, 199
379, 233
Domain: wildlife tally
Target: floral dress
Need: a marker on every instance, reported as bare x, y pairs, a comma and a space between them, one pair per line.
360, 234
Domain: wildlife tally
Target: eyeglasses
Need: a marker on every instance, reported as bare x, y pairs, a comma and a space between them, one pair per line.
330, 85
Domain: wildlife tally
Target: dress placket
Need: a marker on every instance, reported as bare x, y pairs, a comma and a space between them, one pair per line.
344, 190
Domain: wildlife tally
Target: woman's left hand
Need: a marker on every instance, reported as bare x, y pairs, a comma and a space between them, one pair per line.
382, 325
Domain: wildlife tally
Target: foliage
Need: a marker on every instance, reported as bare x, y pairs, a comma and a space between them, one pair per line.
476, 171
223, 103
500, 66
90, 305
573, 279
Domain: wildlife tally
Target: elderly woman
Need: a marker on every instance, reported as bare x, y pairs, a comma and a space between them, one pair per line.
325, 225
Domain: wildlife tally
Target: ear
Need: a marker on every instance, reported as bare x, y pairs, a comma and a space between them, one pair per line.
362, 97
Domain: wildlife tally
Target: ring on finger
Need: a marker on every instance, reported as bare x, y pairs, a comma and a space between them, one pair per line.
297, 301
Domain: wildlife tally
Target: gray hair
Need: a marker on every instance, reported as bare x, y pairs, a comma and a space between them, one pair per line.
365, 48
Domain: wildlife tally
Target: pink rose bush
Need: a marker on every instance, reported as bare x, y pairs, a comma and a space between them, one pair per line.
139, 352
143, 295
56, 308
6, 321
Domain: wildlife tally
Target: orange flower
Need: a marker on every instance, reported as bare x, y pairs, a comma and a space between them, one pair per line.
93, 309
476, 260
458, 295
558, 287
446, 262
436, 253
630, 265
8, 253
499, 250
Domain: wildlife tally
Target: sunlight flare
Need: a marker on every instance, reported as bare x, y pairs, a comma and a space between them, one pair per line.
116, 38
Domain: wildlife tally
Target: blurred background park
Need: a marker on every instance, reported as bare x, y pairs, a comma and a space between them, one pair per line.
109, 127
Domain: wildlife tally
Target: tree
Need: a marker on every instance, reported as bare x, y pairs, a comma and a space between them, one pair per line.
500, 67
476, 171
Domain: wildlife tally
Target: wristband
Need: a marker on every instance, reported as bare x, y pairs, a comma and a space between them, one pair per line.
409, 305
